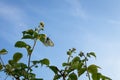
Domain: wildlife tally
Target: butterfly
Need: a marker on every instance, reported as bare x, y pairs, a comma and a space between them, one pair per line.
48, 42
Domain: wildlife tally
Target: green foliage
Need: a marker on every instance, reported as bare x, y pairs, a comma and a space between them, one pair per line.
3, 51
54, 69
45, 40
28, 34
81, 71
71, 51
76, 66
21, 44
17, 56
42, 37
72, 76
93, 69
73, 68
91, 54
45, 62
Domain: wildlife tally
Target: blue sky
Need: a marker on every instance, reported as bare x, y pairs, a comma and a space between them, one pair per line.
87, 25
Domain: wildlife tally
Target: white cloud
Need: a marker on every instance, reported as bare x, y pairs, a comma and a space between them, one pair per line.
77, 9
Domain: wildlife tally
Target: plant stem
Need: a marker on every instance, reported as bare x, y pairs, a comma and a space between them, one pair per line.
2, 62
29, 54
68, 59
29, 59
86, 67
63, 74
63, 78
68, 63
29, 62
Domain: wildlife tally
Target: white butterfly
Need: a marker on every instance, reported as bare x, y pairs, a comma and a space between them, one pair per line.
48, 42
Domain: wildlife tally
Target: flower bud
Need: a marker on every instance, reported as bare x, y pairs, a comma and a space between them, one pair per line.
41, 24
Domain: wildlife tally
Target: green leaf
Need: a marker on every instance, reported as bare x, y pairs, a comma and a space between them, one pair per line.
27, 37
17, 56
3, 51
81, 71
30, 32
56, 77
75, 59
19, 66
93, 69
98, 76
74, 65
80, 65
36, 34
69, 53
54, 69
23, 66
65, 64
31, 76
91, 54
42, 62
105, 77
73, 76
42, 37
35, 62
75, 62
11, 62
45, 61
94, 76
45, 40
20, 44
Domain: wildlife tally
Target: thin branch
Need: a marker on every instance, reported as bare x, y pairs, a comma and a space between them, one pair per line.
1, 60
68, 59
30, 55
86, 67
29, 59
63, 74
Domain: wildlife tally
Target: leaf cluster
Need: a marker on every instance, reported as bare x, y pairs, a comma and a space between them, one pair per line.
76, 66
73, 68
24, 71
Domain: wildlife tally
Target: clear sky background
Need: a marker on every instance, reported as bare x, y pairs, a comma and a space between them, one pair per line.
87, 25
